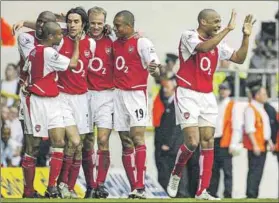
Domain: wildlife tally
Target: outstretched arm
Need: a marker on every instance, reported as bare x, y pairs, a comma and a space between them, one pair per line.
240, 55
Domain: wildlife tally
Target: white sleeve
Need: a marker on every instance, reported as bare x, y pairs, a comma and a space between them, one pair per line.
249, 120
25, 44
225, 52
55, 61
92, 46
190, 39
147, 52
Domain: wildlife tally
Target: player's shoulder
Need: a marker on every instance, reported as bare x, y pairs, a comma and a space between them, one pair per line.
51, 53
145, 41
26, 37
189, 33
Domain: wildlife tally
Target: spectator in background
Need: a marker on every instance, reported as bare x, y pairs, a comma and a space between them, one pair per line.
226, 139
258, 134
10, 86
6, 151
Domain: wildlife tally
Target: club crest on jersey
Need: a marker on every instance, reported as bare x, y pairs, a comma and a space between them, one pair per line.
86, 53
108, 50
131, 49
37, 128
186, 115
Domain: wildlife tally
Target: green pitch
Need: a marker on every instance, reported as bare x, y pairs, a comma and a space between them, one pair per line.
135, 200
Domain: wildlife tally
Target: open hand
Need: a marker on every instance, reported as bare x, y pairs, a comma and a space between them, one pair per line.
231, 24
248, 25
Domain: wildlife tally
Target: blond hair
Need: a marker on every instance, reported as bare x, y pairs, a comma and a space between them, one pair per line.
97, 10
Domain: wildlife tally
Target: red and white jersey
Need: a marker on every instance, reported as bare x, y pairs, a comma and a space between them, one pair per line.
100, 72
26, 43
75, 81
197, 68
42, 64
131, 59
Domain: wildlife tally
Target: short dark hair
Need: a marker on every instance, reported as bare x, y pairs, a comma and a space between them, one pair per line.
50, 28
203, 14
84, 17
128, 17
255, 89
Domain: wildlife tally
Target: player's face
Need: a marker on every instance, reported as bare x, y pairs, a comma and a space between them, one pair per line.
74, 24
96, 23
41, 20
58, 37
213, 24
120, 27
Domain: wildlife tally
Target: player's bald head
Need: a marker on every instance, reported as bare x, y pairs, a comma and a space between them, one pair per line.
50, 28
48, 16
128, 17
205, 14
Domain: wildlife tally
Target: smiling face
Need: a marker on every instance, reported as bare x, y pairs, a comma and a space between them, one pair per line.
121, 28
96, 24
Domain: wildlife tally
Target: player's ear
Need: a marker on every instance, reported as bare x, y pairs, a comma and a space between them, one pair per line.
203, 22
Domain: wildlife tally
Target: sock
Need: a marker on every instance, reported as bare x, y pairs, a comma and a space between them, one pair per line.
206, 163
102, 166
128, 160
73, 174
55, 165
28, 167
183, 155
88, 167
140, 165
64, 174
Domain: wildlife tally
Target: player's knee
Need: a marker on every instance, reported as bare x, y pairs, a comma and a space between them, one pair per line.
58, 143
103, 143
127, 143
75, 142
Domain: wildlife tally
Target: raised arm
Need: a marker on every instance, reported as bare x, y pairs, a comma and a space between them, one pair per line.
240, 55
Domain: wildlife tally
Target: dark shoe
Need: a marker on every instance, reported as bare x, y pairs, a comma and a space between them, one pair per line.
101, 191
34, 195
52, 192
90, 193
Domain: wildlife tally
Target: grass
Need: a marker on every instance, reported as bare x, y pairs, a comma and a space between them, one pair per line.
135, 200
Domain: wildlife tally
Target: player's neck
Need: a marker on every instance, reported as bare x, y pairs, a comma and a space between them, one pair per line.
128, 36
202, 34
46, 43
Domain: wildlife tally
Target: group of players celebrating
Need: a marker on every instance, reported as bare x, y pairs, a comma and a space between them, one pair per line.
86, 75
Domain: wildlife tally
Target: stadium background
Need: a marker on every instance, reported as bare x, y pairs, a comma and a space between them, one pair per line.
163, 23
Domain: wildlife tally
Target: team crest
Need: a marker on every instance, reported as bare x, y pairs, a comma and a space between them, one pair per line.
37, 128
108, 50
86, 53
131, 49
186, 115
212, 52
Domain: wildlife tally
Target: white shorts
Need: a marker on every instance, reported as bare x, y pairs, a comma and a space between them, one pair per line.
195, 108
130, 109
100, 108
75, 111
24, 114
45, 114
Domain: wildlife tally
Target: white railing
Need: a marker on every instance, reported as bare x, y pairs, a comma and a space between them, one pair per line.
273, 82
